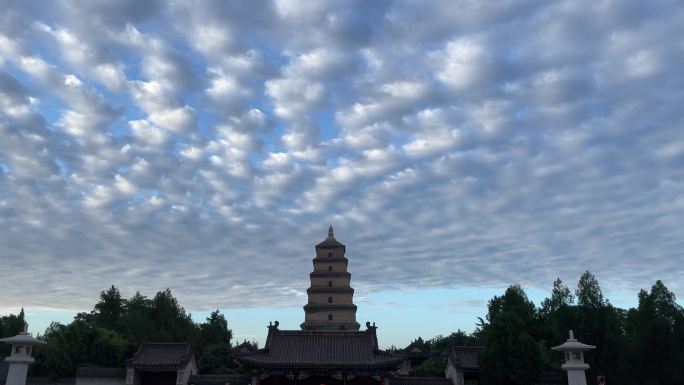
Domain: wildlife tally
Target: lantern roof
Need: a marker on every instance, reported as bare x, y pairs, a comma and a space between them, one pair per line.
572, 345
23, 338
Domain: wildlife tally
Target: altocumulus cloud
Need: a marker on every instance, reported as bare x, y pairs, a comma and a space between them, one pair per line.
205, 146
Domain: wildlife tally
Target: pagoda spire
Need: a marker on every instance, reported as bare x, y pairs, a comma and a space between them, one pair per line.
330, 232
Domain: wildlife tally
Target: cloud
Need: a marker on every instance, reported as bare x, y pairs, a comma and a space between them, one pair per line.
468, 144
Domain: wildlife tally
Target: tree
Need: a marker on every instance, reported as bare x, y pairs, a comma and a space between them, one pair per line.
655, 331
560, 297
110, 309
10, 326
215, 330
511, 354
81, 343
556, 316
589, 292
442, 344
137, 322
172, 323
432, 367
215, 349
600, 324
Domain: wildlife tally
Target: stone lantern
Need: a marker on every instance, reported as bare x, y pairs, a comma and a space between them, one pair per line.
20, 358
574, 359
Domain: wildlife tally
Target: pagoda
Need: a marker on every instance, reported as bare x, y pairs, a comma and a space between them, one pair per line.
330, 306
330, 349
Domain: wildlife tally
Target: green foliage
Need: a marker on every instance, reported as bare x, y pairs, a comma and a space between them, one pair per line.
655, 333
514, 301
215, 330
10, 325
442, 344
560, 297
432, 367
110, 310
511, 355
115, 327
215, 350
643, 346
81, 343
589, 294
171, 322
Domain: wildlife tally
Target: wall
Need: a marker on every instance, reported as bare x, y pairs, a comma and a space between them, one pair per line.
100, 381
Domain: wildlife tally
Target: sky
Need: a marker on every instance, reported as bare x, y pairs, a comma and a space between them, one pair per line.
457, 147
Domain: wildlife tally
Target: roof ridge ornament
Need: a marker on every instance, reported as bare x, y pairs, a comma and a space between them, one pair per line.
330, 232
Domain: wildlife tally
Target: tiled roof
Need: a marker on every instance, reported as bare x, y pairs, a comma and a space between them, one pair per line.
465, 357
329, 289
330, 242
420, 381
423, 349
245, 347
219, 379
157, 355
99, 372
303, 349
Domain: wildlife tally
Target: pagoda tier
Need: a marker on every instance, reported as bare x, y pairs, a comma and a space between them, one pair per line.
331, 305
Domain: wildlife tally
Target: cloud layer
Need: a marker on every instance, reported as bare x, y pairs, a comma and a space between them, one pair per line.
206, 146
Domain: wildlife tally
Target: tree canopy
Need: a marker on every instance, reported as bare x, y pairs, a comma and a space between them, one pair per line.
116, 326
640, 346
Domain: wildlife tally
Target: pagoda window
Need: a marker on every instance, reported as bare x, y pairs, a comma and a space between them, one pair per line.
329, 317
329, 299
329, 283
330, 268
330, 254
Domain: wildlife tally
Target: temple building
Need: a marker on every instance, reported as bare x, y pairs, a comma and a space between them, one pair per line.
330, 349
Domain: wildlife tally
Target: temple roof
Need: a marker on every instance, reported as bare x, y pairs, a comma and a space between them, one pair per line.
330, 242
161, 355
417, 348
465, 357
305, 349
245, 347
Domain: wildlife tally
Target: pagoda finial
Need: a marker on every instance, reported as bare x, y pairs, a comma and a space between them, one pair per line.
330, 232
25, 327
